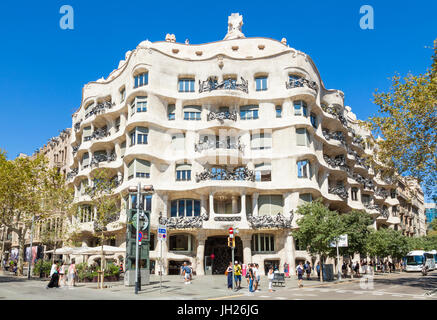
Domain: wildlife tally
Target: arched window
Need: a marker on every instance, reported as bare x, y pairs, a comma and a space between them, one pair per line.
141, 79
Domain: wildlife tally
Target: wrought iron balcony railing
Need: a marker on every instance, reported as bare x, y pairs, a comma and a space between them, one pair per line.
338, 135
361, 161
99, 133
229, 84
381, 193
239, 174
339, 191
183, 222
300, 82
366, 182
270, 222
102, 158
337, 162
99, 108
358, 141
221, 116
75, 149
212, 145
77, 125
72, 173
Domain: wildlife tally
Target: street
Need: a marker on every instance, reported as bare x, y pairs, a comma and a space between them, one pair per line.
404, 286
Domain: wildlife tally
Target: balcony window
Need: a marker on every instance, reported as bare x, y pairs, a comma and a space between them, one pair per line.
87, 133
139, 168
354, 194
186, 85
300, 108
270, 205
138, 136
122, 94
171, 112
180, 242
85, 214
261, 83
278, 111
192, 112
262, 243
117, 124
263, 172
141, 80
183, 172
393, 193
304, 169
305, 198
122, 148
249, 112
302, 137
85, 160
261, 141
365, 199
313, 119
185, 208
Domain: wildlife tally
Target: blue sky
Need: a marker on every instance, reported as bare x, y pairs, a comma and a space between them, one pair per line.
43, 68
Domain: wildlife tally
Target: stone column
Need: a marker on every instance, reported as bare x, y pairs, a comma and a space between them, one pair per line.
165, 206
255, 204
243, 208
292, 245
287, 206
247, 250
211, 206
234, 204
203, 209
200, 255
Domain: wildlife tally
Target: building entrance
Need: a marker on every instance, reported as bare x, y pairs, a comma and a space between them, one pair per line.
222, 253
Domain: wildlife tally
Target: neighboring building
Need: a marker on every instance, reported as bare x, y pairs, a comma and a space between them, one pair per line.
430, 212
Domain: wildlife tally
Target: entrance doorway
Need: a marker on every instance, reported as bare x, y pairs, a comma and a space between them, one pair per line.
222, 253
271, 263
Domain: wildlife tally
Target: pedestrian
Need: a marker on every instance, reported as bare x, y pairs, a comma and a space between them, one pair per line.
256, 276
191, 271
286, 270
237, 275
187, 273
247, 274
344, 269
318, 270
308, 270
62, 275
54, 278
300, 271
270, 276
357, 269
244, 270
251, 277
72, 272
229, 275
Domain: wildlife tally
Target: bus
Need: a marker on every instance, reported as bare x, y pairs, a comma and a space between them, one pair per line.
434, 254
415, 260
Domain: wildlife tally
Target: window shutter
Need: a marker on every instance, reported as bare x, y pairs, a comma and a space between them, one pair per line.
143, 166
87, 131
266, 141
192, 109
183, 166
142, 130
171, 108
301, 136
123, 148
130, 171
264, 205
85, 159
255, 141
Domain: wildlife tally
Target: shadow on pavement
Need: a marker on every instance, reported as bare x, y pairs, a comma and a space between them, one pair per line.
11, 279
426, 283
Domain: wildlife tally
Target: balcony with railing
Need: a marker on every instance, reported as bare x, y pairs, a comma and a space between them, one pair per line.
381, 193
333, 112
218, 144
72, 173
99, 108
339, 191
337, 162
77, 125
221, 116
97, 158
337, 135
229, 84
298, 82
224, 174
98, 134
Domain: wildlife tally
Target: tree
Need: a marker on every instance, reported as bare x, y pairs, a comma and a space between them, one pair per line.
21, 195
356, 225
387, 243
318, 227
106, 205
407, 121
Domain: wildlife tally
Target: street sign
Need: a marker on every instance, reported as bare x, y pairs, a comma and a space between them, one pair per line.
212, 256
162, 232
140, 236
342, 241
231, 230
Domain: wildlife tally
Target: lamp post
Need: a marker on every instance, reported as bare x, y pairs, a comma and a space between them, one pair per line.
137, 247
31, 240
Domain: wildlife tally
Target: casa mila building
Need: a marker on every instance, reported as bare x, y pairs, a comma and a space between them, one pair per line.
235, 133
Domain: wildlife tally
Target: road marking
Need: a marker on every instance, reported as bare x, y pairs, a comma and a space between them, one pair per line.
228, 297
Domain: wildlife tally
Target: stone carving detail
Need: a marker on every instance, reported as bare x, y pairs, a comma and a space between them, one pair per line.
235, 22
270, 222
238, 174
228, 84
227, 218
183, 222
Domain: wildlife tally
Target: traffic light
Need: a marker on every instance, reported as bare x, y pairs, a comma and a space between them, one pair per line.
231, 242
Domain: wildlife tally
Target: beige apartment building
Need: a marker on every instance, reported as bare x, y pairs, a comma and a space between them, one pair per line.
234, 133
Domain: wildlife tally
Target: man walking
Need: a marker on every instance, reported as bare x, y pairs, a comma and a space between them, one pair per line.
300, 272
187, 273
237, 274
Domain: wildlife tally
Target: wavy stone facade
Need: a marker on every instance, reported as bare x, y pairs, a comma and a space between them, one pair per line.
235, 133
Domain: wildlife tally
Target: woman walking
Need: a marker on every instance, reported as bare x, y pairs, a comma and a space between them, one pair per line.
62, 274
54, 280
270, 277
229, 273
72, 273
300, 272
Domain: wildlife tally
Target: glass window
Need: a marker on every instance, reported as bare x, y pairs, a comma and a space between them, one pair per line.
122, 94
186, 85
141, 80
278, 111
180, 242
302, 137
305, 198
354, 194
261, 83
295, 81
138, 136
365, 199
263, 243
249, 112
171, 112
185, 208
303, 169
313, 119
300, 108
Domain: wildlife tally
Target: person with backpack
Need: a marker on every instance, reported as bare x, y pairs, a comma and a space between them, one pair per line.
300, 272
